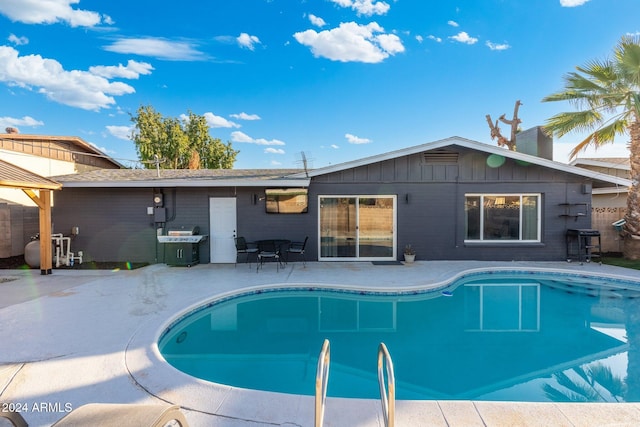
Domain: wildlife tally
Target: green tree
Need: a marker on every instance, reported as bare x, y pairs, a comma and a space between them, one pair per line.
179, 144
606, 95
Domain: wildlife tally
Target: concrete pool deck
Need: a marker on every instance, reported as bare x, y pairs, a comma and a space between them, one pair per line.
83, 336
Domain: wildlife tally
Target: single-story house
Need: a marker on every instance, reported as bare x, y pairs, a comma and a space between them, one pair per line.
452, 199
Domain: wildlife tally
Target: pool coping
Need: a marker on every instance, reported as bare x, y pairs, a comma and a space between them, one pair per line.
149, 370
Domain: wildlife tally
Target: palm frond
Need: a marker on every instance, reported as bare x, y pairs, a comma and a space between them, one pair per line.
578, 392
556, 395
581, 121
583, 374
581, 83
566, 95
583, 145
604, 376
599, 73
629, 64
604, 135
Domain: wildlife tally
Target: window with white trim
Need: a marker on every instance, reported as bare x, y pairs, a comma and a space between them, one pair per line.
502, 217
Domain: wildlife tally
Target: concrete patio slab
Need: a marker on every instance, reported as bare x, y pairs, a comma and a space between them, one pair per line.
79, 336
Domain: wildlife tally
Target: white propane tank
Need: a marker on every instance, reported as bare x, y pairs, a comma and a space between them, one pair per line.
32, 254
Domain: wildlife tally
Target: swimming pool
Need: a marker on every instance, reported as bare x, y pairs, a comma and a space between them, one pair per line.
508, 336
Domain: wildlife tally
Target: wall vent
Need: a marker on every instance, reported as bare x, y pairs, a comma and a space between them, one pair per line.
440, 157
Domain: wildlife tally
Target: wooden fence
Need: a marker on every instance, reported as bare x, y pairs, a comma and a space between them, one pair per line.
601, 219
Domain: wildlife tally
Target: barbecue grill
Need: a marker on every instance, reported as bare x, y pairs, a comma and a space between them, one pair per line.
182, 246
583, 244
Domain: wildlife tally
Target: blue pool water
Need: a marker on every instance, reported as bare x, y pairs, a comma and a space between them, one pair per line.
507, 336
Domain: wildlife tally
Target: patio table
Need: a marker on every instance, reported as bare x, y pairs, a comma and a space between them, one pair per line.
278, 245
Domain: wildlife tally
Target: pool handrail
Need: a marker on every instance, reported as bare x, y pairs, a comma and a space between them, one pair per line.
387, 397
322, 377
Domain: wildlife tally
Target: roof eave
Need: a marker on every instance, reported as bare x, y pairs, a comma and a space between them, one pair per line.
26, 186
610, 190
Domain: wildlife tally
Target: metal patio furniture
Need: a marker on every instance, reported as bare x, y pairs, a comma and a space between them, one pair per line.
242, 247
269, 250
297, 248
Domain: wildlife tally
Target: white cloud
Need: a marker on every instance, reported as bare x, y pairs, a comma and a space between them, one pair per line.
463, 37
18, 41
49, 12
245, 116
497, 46
453, 23
352, 139
26, 121
247, 41
262, 141
365, 7
572, 3
419, 38
121, 132
238, 136
158, 48
132, 70
317, 21
352, 42
271, 150
434, 38
334, 146
76, 88
219, 122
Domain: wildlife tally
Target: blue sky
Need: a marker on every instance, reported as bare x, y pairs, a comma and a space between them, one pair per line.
336, 79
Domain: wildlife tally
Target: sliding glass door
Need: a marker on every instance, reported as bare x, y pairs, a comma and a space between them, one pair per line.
357, 227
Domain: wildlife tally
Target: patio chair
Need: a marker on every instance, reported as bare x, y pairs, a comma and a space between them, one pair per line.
242, 247
114, 415
268, 249
297, 248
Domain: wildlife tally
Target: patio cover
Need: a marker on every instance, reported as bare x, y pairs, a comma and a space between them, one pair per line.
12, 176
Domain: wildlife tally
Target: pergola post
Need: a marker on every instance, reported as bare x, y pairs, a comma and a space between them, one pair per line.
44, 206
46, 253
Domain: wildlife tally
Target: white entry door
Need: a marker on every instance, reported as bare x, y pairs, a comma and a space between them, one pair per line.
222, 226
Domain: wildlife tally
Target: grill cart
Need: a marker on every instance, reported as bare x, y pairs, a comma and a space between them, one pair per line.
182, 247
583, 244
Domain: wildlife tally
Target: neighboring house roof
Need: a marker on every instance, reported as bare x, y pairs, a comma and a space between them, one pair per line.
473, 145
15, 177
74, 147
185, 178
610, 162
614, 166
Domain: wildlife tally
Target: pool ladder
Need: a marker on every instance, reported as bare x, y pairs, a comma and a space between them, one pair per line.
387, 389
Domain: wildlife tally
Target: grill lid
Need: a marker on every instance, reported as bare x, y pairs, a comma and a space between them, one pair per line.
184, 231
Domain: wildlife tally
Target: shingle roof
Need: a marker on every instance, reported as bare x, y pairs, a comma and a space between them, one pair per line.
183, 178
15, 177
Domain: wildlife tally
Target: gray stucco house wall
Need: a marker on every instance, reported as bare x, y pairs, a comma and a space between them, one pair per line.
429, 186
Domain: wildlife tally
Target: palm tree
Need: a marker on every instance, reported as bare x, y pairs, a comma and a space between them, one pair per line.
606, 94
